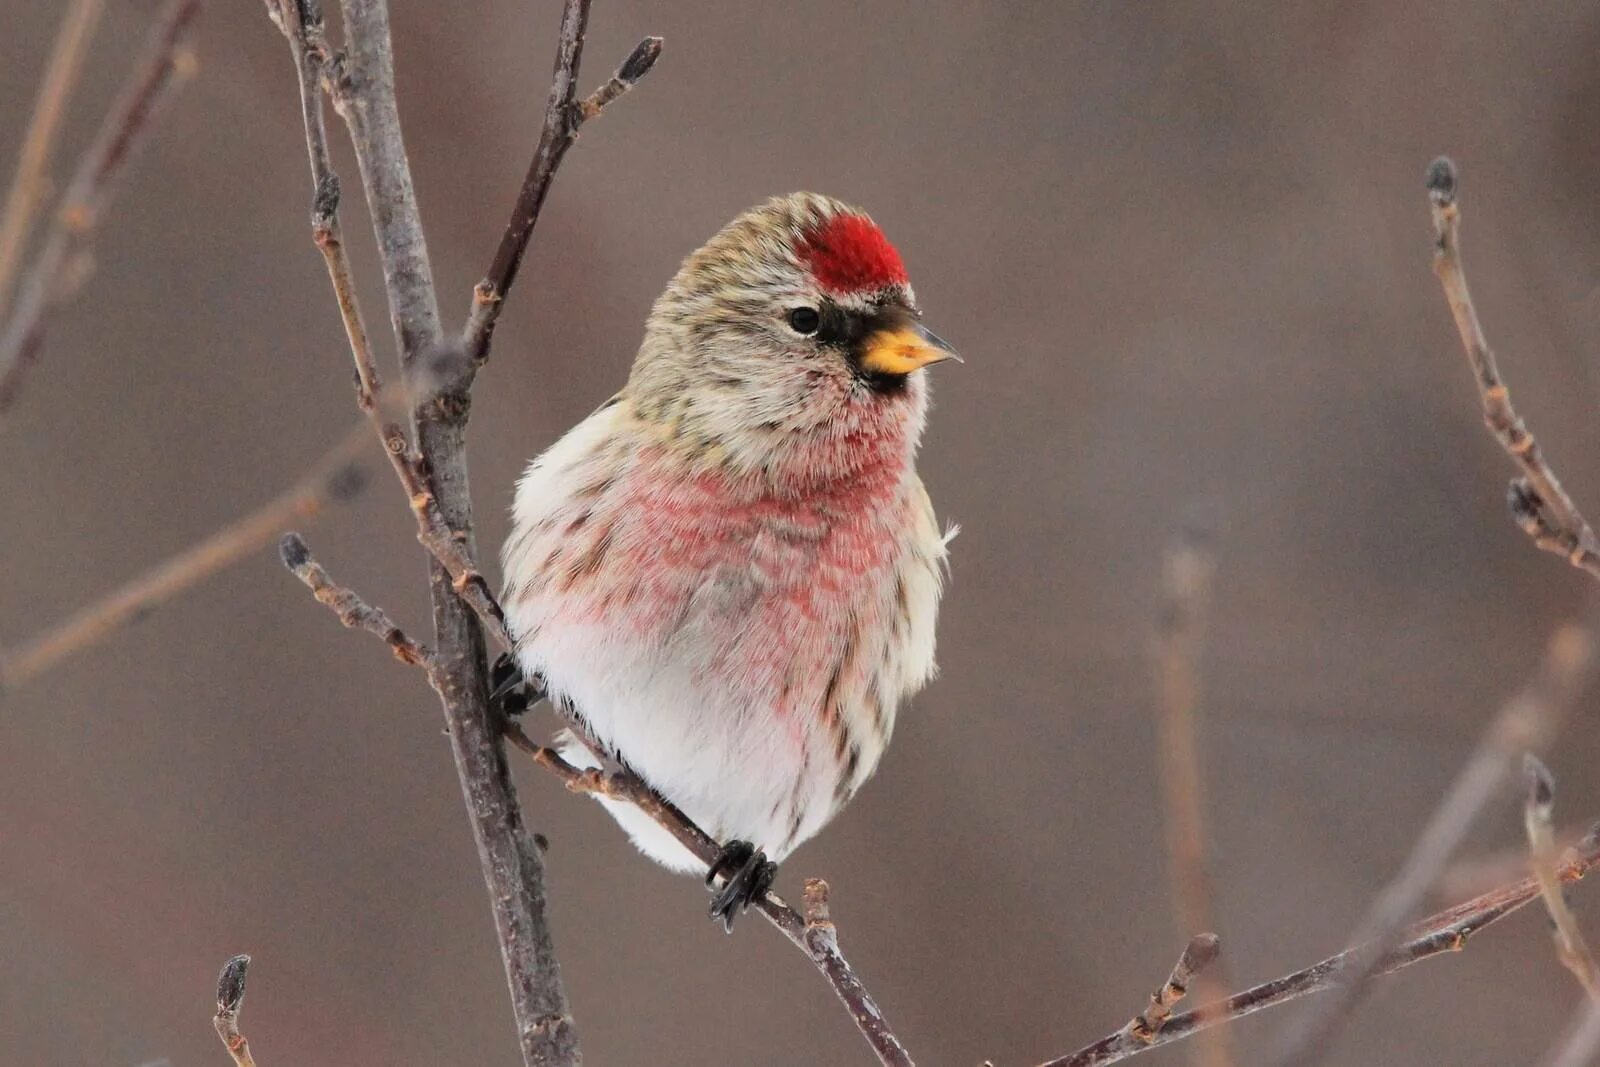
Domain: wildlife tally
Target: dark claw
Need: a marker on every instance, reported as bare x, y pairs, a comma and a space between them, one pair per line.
509, 691
734, 854
750, 874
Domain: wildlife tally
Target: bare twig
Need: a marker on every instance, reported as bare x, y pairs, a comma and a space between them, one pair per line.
1538, 502
513, 867
1187, 570
332, 478
1527, 722
1544, 857
302, 25
814, 934
820, 939
1200, 953
230, 999
1446, 931
31, 180
562, 118
62, 259
351, 609
636, 66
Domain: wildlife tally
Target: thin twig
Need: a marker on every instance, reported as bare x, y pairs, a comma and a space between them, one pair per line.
1200, 953
1187, 571
31, 180
302, 26
636, 66
562, 119
354, 612
817, 938
230, 999
1527, 722
1538, 502
512, 866
1544, 857
1446, 931
61, 263
332, 478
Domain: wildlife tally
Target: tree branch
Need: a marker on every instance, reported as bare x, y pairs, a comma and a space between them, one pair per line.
1537, 501
31, 180
513, 868
1527, 722
1446, 931
230, 999
562, 119
332, 478
62, 262
354, 612
820, 939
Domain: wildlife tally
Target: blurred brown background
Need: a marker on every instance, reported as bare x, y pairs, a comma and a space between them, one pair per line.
1184, 247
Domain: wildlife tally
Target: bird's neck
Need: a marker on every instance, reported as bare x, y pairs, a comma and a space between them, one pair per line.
870, 440
874, 443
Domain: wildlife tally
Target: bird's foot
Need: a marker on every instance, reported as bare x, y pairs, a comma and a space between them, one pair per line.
510, 691
749, 875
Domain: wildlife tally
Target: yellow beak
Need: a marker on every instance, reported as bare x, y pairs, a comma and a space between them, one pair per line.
904, 349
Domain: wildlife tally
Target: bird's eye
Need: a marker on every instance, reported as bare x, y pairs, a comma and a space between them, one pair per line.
805, 320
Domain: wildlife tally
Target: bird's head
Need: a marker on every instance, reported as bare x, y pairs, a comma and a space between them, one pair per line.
797, 317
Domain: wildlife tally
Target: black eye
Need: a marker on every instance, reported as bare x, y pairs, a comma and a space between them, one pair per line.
805, 320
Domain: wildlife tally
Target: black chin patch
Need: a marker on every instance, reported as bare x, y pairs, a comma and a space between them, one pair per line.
883, 384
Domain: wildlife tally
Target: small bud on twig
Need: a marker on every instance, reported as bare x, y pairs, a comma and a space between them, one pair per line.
643, 57
1442, 181
230, 998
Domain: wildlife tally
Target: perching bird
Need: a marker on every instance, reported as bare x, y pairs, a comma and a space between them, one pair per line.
728, 575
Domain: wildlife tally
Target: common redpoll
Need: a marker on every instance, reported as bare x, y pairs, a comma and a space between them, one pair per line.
727, 575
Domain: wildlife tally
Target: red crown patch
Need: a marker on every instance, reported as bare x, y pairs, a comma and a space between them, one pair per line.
849, 254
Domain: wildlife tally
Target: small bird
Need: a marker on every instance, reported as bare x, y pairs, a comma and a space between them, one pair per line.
727, 575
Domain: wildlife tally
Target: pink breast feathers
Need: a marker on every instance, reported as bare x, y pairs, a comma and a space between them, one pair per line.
809, 552
849, 254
